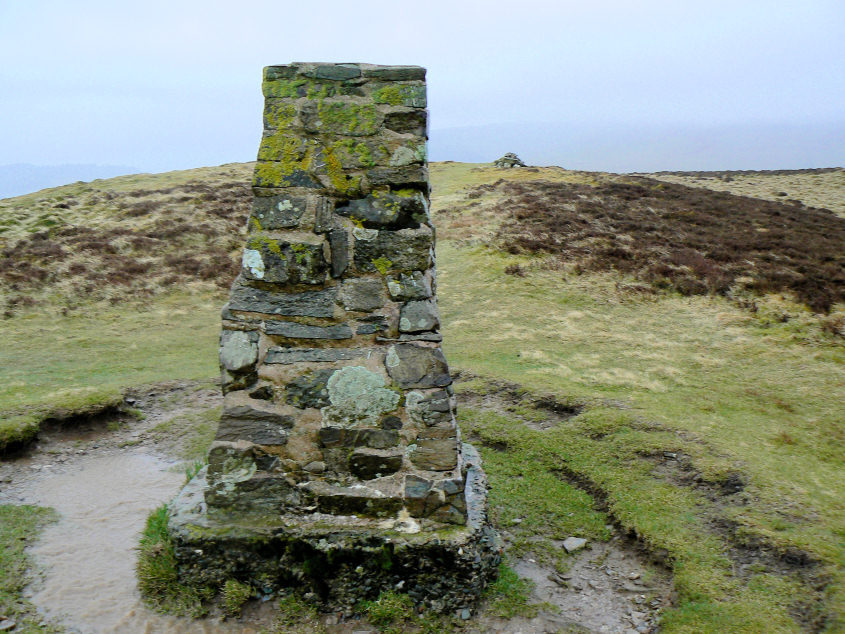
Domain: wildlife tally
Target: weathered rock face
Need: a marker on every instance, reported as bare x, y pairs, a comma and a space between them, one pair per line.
338, 399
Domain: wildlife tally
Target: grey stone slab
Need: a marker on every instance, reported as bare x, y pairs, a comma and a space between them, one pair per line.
362, 294
306, 304
337, 71
294, 330
394, 73
339, 244
412, 121
402, 250
418, 316
277, 212
238, 350
435, 454
258, 424
413, 366
408, 286
385, 209
313, 355
279, 262
368, 465
414, 176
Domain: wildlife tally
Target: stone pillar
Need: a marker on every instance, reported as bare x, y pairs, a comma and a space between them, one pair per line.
338, 464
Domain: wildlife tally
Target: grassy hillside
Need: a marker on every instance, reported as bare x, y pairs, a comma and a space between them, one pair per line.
698, 404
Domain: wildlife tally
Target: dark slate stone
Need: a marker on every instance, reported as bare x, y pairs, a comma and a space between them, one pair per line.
339, 243
264, 493
391, 422
309, 390
277, 212
308, 304
433, 454
424, 336
346, 501
324, 216
418, 316
371, 328
395, 73
271, 73
402, 250
416, 487
294, 330
284, 262
372, 465
256, 412
412, 366
337, 71
387, 210
262, 427
263, 393
413, 176
351, 437
408, 122
314, 355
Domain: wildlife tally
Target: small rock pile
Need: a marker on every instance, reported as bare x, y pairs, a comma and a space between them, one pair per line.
509, 160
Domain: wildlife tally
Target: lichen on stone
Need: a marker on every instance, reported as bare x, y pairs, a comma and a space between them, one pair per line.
358, 398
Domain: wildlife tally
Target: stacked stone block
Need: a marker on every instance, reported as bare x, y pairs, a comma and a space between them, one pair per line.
338, 465
337, 396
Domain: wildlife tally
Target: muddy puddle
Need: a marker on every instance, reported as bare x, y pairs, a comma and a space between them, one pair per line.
104, 479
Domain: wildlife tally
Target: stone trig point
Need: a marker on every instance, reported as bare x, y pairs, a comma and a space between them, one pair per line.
338, 468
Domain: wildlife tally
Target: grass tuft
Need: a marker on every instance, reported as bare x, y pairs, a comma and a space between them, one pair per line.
233, 596
157, 575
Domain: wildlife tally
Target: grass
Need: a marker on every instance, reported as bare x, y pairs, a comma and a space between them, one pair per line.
741, 393
814, 187
233, 596
156, 572
63, 366
696, 375
191, 433
510, 595
19, 527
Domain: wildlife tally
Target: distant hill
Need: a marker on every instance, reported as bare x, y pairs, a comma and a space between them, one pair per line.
23, 178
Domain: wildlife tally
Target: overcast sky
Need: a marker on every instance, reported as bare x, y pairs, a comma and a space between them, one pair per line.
176, 84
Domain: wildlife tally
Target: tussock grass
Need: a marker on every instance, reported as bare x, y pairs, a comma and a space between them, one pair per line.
156, 571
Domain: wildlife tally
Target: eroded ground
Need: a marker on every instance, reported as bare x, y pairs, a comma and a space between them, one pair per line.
104, 474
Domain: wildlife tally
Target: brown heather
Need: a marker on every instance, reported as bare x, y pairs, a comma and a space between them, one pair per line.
692, 240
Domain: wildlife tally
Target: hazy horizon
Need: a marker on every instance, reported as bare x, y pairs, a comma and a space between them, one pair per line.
659, 85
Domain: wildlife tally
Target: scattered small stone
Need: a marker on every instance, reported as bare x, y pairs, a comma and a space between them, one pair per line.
633, 575
6, 625
671, 455
465, 614
516, 520
573, 544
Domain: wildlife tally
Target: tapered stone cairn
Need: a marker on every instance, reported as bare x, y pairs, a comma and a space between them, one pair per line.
338, 468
